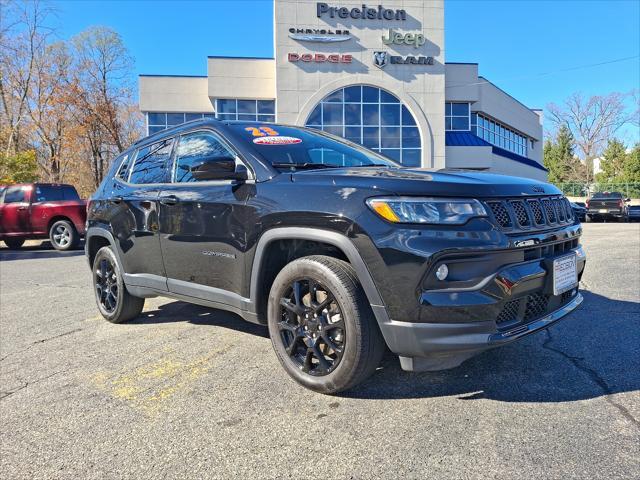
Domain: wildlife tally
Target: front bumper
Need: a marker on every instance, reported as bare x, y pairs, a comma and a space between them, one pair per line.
516, 301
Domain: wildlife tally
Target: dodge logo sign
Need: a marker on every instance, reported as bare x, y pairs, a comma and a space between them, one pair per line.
380, 59
319, 58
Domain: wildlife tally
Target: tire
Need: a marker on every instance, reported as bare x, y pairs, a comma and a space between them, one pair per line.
349, 340
14, 243
63, 236
116, 307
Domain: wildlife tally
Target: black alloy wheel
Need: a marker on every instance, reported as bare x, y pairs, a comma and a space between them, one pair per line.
106, 284
312, 327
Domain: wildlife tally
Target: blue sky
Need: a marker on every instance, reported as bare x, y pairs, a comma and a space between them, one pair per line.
528, 48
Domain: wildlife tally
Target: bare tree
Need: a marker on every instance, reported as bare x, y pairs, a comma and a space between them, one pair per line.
23, 38
592, 121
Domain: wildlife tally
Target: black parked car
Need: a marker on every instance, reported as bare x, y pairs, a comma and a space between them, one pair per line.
337, 248
634, 213
608, 206
579, 210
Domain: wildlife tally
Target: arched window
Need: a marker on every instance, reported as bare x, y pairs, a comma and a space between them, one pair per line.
371, 117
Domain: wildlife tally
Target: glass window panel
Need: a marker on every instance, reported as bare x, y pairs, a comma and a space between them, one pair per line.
371, 137
316, 116
48, 193
247, 117
226, 116
390, 137
15, 195
390, 114
266, 118
332, 113
150, 163
474, 119
247, 106
447, 123
209, 115
407, 118
370, 94
353, 94
352, 114
447, 109
411, 158
410, 137
153, 130
386, 97
194, 148
353, 133
175, 118
156, 118
336, 96
267, 106
226, 105
460, 109
392, 153
460, 123
192, 116
370, 114
334, 130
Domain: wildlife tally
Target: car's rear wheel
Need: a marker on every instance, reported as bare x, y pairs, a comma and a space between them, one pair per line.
115, 303
63, 236
14, 243
321, 325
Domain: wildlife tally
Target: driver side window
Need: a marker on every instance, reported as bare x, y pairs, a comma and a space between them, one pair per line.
193, 149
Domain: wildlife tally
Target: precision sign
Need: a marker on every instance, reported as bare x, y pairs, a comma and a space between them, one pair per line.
397, 38
364, 13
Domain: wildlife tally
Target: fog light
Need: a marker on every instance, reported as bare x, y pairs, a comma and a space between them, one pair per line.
442, 272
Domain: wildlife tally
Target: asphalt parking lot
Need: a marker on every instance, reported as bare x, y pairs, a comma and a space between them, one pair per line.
188, 392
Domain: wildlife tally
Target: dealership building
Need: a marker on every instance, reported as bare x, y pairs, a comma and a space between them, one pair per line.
373, 73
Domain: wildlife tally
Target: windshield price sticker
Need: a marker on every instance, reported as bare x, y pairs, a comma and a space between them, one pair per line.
276, 140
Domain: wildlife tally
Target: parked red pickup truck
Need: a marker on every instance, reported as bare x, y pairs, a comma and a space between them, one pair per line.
39, 211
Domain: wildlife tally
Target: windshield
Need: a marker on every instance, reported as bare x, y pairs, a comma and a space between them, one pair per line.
296, 148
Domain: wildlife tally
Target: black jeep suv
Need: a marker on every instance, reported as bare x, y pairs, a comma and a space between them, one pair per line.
336, 248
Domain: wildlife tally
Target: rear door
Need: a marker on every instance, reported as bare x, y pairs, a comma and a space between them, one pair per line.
133, 213
203, 224
14, 211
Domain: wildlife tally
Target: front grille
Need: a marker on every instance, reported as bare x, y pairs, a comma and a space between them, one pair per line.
536, 306
532, 213
509, 312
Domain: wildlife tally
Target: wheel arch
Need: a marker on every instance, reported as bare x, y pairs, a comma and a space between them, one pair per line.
96, 238
57, 218
323, 237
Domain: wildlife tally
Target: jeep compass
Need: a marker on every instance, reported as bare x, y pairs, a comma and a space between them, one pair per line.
339, 250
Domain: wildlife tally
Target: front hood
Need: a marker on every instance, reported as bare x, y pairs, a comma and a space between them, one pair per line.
425, 182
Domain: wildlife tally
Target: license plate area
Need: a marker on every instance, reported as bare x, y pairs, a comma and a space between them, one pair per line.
565, 274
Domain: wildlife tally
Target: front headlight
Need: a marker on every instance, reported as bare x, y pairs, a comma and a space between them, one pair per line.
441, 211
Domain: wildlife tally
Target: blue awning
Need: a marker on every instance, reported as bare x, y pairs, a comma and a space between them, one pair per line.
468, 139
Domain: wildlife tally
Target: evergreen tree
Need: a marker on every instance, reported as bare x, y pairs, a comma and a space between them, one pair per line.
560, 159
613, 162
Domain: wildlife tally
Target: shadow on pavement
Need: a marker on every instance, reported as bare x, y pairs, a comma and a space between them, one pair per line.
42, 251
592, 353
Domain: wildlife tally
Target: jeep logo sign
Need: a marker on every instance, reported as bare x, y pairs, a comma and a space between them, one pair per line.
396, 38
364, 13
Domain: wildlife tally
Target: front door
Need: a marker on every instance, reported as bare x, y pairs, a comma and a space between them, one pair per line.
203, 225
14, 211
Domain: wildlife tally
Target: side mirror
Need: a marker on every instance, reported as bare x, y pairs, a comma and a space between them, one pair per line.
627, 199
219, 168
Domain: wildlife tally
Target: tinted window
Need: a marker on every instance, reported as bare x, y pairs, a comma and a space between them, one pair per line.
193, 149
70, 193
124, 167
150, 163
48, 193
15, 195
608, 195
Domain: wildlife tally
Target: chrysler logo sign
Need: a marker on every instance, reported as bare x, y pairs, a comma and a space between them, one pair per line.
381, 59
319, 35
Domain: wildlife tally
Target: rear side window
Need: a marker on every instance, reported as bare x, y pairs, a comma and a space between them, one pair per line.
150, 163
15, 195
48, 193
123, 170
70, 193
194, 148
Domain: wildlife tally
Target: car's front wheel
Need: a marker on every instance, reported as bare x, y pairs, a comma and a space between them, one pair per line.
115, 303
321, 325
63, 235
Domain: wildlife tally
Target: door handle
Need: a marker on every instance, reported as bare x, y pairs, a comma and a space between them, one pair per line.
117, 200
22, 208
169, 200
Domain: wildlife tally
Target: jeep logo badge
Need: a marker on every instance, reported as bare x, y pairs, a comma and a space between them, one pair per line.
380, 59
538, 189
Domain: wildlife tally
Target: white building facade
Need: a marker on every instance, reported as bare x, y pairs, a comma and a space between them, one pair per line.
373, 73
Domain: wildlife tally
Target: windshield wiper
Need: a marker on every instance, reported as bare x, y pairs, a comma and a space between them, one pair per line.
305, 166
